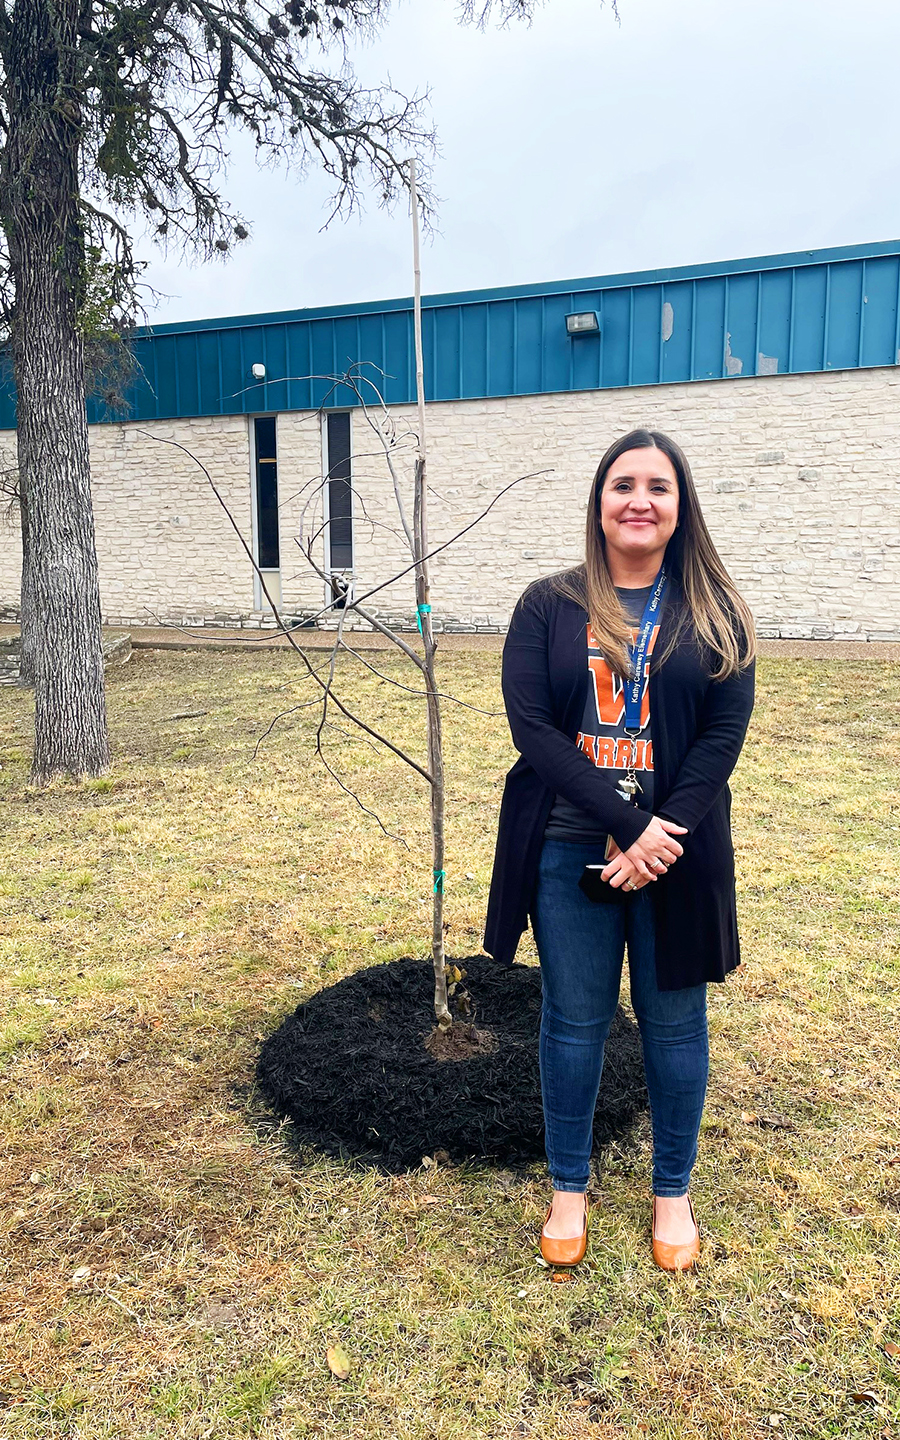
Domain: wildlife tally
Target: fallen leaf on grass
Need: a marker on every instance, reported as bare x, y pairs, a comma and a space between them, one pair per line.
81, 1275
768, 1121
891, 1349
561, 1277
338, 1361
864, 1397
220, 1315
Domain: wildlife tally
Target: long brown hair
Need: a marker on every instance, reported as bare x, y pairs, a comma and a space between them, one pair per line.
711, 603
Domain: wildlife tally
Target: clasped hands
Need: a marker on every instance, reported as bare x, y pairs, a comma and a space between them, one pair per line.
649, 857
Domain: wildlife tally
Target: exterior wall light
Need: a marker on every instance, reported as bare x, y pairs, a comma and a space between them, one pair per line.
585, 322
258, 372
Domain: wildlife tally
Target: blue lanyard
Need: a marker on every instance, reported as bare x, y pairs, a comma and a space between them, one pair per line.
634, 690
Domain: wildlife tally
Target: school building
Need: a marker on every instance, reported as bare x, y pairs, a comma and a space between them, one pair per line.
779, 376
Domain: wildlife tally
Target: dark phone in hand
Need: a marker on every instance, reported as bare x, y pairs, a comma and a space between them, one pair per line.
597, 889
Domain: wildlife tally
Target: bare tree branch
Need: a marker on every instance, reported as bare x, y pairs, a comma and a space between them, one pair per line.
532, 475
410, 690
282, 627
506, 12
373, 620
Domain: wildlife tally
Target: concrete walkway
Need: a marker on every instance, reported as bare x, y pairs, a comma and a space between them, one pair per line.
174, 638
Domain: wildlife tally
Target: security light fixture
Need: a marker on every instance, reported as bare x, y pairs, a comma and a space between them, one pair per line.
585, 322
258, 372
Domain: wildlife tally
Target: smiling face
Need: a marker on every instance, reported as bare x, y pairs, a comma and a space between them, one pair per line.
639, 506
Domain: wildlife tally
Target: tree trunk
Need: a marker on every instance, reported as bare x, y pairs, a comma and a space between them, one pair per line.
435, 748
436, 766
46, 246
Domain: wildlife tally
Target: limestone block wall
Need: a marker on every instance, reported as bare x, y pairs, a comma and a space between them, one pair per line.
165, 547
799, 478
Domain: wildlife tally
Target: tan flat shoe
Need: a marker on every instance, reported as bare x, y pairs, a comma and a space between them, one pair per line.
564, 1252
676, 1257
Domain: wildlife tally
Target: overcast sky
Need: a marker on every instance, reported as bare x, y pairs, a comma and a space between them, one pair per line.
693, 130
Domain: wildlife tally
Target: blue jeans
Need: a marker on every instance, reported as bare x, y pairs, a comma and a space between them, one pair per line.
581, 945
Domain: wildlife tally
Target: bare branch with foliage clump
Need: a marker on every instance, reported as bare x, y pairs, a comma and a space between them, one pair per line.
154, 93
121, 111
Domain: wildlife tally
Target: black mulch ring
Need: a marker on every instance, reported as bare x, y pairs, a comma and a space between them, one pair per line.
351, 1070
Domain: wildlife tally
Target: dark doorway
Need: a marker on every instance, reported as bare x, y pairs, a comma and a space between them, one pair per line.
267, 547
339, 546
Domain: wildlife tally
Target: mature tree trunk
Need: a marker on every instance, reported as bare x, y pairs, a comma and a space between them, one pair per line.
41, 219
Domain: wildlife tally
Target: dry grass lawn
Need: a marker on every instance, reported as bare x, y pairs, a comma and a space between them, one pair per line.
172, 1269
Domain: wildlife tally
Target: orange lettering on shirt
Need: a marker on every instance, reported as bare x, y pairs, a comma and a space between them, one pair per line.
588, 743
623, 753
643, 755
606, 746
608, 693
609, 698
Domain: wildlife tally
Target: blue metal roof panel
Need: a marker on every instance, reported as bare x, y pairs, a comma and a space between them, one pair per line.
814, 310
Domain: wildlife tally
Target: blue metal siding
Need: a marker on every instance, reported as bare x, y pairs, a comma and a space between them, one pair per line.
556, 360
677, 330
880, 310
709, 321
774, 335
806, 351
474, 352
815, 310
844, 310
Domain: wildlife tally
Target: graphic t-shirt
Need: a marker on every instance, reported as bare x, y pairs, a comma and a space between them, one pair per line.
602, 735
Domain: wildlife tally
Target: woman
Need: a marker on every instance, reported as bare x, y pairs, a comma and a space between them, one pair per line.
615, 823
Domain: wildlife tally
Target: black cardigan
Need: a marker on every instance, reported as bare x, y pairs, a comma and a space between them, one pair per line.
698, 730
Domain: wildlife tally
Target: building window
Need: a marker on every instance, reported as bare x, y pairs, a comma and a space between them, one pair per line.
267, 547
339, 542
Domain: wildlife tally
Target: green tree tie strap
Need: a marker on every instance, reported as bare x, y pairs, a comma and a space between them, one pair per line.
420, 611
439, 878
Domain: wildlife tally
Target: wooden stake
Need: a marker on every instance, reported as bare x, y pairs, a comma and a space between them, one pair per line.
423, 609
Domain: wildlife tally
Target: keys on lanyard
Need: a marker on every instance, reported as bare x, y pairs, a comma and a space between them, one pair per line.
629, 787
